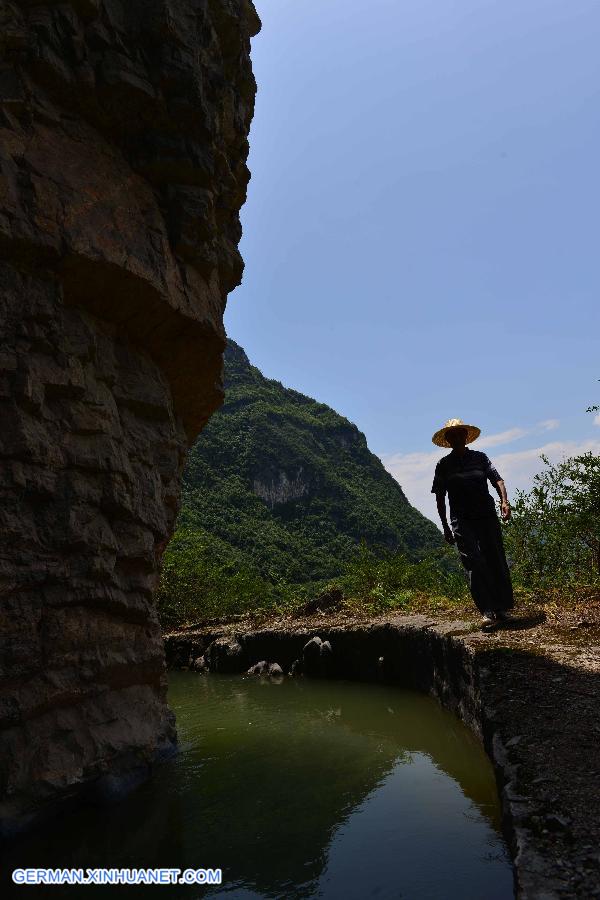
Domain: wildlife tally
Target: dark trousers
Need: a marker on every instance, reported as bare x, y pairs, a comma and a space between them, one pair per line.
479, 543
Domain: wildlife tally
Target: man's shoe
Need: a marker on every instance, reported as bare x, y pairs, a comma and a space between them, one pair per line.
503, 616
488, 619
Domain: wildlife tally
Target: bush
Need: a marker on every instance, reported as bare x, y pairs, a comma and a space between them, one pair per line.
553, 538
201, 579
387, 580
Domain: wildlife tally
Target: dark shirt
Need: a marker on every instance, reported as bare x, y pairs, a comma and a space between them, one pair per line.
464, 478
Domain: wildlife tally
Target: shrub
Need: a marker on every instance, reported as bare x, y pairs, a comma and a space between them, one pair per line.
553, 538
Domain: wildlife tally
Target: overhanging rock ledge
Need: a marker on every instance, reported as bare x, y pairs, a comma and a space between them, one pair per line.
123, 147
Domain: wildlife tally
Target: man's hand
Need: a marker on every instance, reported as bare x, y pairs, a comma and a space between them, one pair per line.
448, 536
505, 510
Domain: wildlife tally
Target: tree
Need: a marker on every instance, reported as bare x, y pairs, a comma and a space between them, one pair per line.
594, 408
554, 537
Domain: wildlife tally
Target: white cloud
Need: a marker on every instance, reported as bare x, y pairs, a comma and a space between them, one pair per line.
513, 434
597, 419
414, 471
502, 437
518, 469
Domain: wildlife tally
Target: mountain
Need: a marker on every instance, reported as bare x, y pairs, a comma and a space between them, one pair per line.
288, 487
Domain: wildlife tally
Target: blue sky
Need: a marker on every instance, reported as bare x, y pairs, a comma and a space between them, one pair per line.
421, 229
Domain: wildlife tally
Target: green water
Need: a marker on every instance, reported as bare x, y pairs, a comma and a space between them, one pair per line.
298, 790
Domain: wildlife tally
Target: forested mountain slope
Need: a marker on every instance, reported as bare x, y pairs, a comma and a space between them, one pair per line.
289, 486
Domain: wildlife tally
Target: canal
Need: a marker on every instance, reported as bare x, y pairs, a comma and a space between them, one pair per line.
298, 789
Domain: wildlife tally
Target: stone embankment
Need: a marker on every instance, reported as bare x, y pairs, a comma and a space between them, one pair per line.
123, 146
529, 693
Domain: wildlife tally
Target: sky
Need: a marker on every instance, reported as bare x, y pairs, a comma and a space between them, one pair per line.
421, 231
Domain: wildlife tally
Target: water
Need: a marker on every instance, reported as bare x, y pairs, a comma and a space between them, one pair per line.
304, 789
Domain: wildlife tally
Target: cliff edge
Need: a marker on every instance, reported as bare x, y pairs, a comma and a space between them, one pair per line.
123, 147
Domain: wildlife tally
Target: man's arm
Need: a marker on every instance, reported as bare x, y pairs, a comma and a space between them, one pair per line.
440, 499
495, 478
504, 504
439, 489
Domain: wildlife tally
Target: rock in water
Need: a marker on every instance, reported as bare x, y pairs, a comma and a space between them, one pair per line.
260, 668
123, 146
317, 658
224, 655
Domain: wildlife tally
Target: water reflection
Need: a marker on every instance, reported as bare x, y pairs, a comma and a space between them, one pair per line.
297, 790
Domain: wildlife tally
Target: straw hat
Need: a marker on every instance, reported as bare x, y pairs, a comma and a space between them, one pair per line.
439, 437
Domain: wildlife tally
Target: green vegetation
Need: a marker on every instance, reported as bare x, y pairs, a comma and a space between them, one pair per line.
385, 581
553, 540
292, 485
202, 580
283, 502
278, 493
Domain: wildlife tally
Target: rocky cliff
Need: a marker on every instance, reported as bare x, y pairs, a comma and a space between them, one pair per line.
123, 146
291, 485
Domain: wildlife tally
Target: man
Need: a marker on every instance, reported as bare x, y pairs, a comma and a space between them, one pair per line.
463, 475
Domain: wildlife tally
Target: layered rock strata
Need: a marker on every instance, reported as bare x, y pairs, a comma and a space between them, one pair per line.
123, 147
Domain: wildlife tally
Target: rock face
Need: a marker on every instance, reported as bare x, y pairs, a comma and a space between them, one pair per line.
281, 488
123, 146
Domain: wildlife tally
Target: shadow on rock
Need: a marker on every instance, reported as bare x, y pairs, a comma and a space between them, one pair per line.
521, 624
